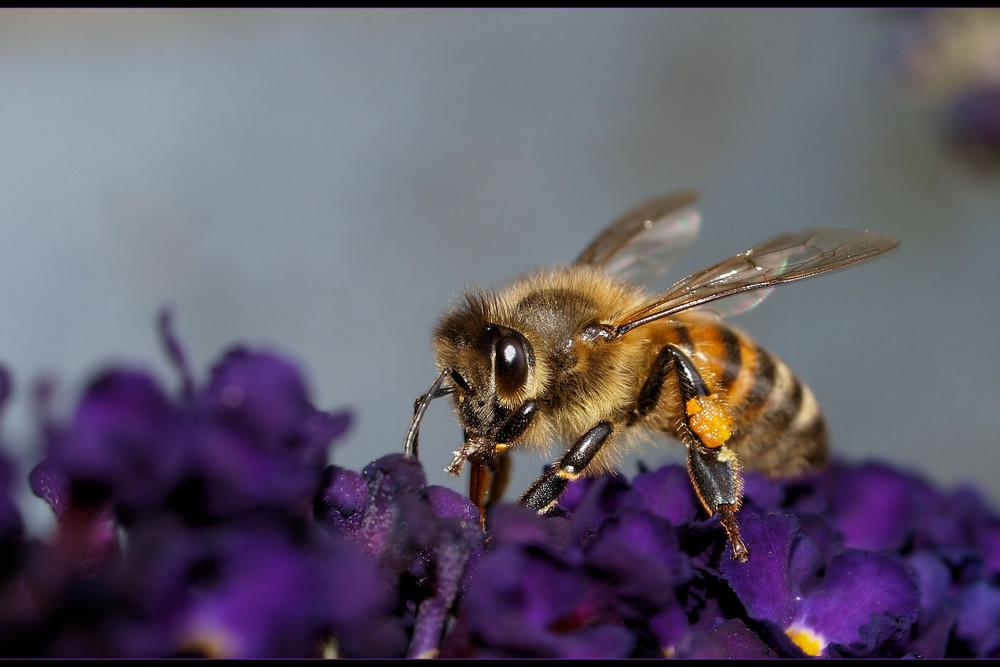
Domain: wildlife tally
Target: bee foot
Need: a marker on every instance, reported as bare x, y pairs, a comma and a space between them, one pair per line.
455, 467
727, 517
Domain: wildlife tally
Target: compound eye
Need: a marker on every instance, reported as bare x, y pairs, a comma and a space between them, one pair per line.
511, 361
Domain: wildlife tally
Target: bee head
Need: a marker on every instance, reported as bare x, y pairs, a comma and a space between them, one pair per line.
496, 361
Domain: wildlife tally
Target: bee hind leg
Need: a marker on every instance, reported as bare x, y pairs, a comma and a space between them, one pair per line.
713, 467
719, 486
544, 493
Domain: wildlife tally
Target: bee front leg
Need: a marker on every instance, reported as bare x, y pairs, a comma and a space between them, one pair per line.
713, 467
546, 490
421, 404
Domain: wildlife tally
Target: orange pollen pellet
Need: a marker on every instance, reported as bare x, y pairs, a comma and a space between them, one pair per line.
709, 420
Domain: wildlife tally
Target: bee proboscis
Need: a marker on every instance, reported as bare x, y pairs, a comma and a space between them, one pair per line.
582, 355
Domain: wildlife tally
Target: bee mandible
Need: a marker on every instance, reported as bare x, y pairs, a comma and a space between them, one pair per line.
583, 355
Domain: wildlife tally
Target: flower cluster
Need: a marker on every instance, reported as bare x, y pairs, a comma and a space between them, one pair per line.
185, 527
209, 523
950, 60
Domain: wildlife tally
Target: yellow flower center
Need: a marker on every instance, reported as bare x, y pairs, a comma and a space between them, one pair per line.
810, 643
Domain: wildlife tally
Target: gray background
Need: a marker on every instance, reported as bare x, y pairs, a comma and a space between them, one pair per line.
325, 181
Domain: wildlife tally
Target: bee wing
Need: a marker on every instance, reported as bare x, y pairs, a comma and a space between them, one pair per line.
642, 243
786, 257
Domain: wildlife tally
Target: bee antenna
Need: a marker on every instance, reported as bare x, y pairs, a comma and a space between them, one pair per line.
420, 409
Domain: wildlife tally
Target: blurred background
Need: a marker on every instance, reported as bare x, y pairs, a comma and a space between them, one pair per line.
325, 182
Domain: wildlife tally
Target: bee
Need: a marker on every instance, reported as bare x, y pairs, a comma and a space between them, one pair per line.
583, 355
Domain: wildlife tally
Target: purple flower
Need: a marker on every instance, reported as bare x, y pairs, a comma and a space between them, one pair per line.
947, 59
250, 441
421, 537
584, 585
973, 122
253, 591
823, 601
977, 621
528, 601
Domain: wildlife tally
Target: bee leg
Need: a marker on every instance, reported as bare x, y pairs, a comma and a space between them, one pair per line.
544, 493
713, 467
718, 484
423, 402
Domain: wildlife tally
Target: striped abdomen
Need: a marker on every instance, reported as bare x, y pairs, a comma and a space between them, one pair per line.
777, 425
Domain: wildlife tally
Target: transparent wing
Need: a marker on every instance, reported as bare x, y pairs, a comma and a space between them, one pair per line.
786, 257
642, 244
741, 303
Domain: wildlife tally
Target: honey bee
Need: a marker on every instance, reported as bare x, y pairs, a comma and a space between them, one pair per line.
583, 355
